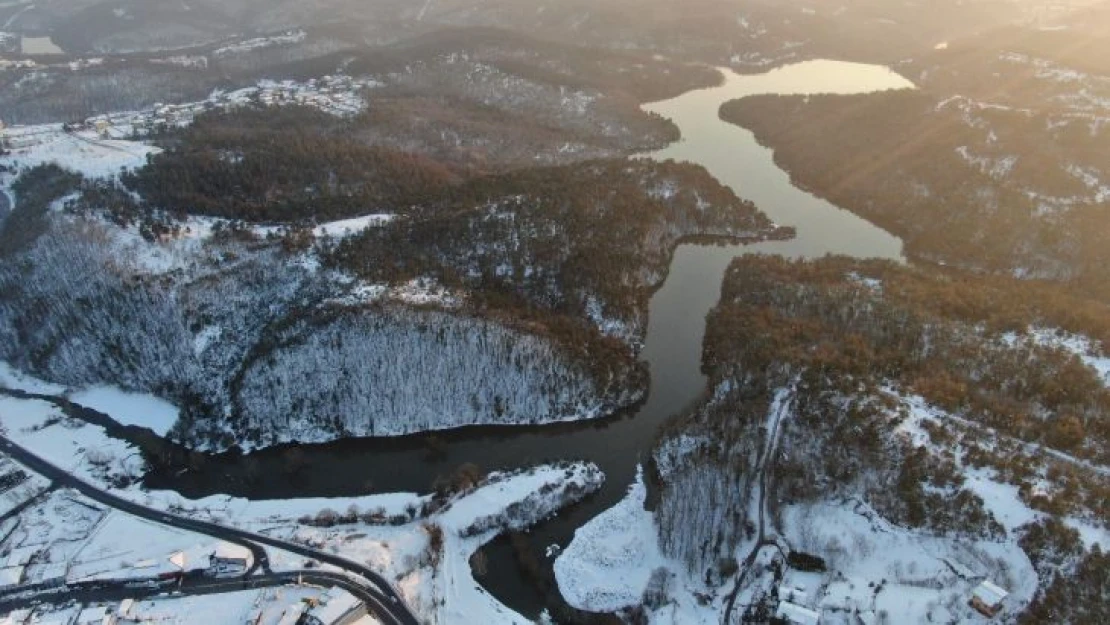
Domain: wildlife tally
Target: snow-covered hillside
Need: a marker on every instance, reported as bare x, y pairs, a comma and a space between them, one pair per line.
259, 335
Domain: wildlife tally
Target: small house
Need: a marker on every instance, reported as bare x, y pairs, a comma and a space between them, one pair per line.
987, 598
229, 559
126, 607
16, 617
98, 615
11, 576
796, 615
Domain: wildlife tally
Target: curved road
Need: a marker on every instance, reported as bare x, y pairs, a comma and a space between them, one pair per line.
383, 598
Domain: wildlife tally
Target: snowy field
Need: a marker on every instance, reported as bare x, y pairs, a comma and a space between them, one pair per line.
608, 564
83, 152
612, 559
129, 408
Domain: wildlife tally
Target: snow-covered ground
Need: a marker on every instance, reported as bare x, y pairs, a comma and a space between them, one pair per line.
347, 227
875, 568
438, 584
139, 409
127, 547
129, 408
613, 557
293, 36
11, 378
607, 566
20, 485
83, 152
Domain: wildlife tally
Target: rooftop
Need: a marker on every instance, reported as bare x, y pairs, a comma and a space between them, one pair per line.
336, 603
796, 614
989, 593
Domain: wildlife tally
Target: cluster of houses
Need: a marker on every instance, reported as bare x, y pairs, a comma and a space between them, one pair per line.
987, 599
336, 95
96, 615
333, 607
224, 560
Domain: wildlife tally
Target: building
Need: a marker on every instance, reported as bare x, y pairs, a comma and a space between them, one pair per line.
11, 576
125, 608
16, 617
336, 607
98, 615
987, 598
796, 615
229, 559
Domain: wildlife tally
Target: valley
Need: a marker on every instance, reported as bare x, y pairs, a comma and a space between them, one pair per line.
556, 317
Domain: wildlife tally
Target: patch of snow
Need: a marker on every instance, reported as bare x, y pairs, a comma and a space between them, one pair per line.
996, 168
347, 227
138, 409
13, 379
82, 152
607, 565
426, 292
872, 284
1081, 346
290, 37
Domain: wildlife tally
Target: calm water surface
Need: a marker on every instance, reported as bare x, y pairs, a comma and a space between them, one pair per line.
673, 346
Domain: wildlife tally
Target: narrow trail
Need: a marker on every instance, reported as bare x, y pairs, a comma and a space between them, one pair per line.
778, 412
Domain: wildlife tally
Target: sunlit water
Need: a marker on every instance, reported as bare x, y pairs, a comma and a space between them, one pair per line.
673, 347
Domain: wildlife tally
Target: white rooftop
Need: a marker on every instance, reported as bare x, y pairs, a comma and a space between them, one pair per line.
22, 555
231, 551
10, 576
989, 593
16, 617
796, 614
93, 616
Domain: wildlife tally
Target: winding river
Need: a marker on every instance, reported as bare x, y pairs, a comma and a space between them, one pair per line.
673, 347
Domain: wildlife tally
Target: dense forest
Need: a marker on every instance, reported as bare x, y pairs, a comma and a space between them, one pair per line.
285, 165
990, 188
587, 241
837, 343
